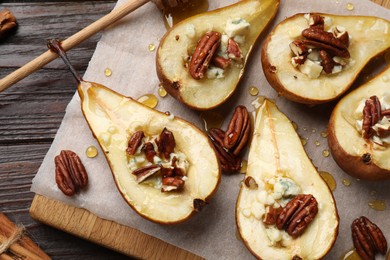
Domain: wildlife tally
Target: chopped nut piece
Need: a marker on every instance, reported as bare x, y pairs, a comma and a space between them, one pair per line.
250, 182
221, 62
172, 183
166, 143
134, 142
327, 62
149, 151
233, 50
145, 172
272, 215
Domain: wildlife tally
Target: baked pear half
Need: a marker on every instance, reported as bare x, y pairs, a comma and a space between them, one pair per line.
165, 174
314, 58
284, 208
359, 130
201, 60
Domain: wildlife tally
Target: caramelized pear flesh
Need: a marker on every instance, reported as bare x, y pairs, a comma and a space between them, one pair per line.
276, 152
366, 159
113, 118
177, 46
369, 37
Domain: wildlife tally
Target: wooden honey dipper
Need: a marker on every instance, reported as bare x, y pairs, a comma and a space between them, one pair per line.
81, 36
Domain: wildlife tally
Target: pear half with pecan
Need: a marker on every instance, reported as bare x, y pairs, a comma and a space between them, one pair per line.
201, 60
164, 167
284, 210
359, 130
315, 58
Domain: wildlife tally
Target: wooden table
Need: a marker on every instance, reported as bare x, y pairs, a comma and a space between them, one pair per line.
31, 111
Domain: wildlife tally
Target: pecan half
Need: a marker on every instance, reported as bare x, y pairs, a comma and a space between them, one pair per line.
134, 142
297, 214
172, 183
327, 62
371, 115
166, 143
229, 162
7, 22
145, 172
70, 172
367, 238
238, 130
149, 151
233, 50
343, 53
324, 37
204, 52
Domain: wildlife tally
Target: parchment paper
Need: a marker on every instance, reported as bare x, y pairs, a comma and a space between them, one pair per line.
212, 234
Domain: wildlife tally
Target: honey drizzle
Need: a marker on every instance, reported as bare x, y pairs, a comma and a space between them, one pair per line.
328, 178
173, 15
351, 255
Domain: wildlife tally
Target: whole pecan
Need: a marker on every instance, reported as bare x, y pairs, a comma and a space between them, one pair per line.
70, 172
204, 52
297, 214
229, 162
238, 131
166, 143
134, 142
324, 37
343, 53
7, 22
367, 238
145, 172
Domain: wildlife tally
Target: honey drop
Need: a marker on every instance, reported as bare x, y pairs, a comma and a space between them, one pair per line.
151, 47
346, 182
317, 143
107, 72
304, 141
149, 100
325, 153
161, 91
328, 178
253, 91
324, 134
211, 119
350, 7
244, 165
91, 152
185, 9
351, 255
378, 205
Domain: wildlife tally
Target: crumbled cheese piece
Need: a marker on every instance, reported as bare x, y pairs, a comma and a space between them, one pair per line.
258, 210
337, 69
240, 39
246, 212
190, 30
339, 60
328, 22
311, 69
235, 26
285, 187
215, 73
274, 235
358, 114
314, 55
264, 198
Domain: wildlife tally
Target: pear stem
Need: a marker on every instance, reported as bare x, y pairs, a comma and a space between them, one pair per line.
55, 46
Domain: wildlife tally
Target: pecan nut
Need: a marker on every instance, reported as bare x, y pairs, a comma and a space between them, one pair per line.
166, 143
298, 214
149, 151
233, 50
327, 62
70, 172
229, 162
134, 142
367, 238
371, 115
317, 22
272, 215
204, 52
145, 172
7, 22
172, 183
324, 37
238, 131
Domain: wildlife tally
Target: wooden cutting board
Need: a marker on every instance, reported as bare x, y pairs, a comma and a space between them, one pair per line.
82, 223
126, 240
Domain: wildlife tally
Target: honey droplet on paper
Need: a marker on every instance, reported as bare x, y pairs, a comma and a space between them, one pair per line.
91, 152
347, 182
151, 47
314, 130
149, 100
211, 119
351, 255
244, 165
350, 7
324, 134
161, 91
253, 91
304, 129
185, 9
317, 143
378, 205
107, 72
304, 141
325, 153
328, 178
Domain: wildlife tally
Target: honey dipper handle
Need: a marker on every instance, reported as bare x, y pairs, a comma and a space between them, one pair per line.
71, 42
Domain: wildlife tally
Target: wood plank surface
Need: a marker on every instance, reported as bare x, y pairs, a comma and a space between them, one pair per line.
30, 114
